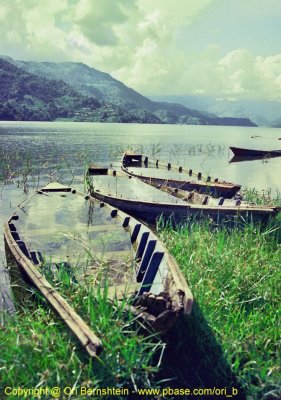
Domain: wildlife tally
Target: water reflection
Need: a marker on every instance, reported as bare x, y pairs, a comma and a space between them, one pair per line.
59, 226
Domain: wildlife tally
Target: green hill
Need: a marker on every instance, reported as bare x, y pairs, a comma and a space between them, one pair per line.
47, 91
24, 96
88, 81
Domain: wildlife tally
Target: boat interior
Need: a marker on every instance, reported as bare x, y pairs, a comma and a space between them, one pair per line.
119, 184
97, 244
76, 235
146, 166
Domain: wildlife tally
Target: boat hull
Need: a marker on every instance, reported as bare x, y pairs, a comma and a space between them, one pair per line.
203, 188
248, 153
190, 180
176, 214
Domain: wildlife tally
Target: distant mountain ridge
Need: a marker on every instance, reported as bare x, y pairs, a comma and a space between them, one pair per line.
266, 113
108, 99
86, 80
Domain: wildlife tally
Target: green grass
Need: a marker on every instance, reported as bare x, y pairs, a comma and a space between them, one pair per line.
38, 350
236, 281
264, 197
231, 339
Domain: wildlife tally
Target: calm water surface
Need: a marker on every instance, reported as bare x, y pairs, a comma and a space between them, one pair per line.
44, 151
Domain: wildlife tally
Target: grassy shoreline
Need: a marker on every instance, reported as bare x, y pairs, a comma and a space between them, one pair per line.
231, 339
235, 278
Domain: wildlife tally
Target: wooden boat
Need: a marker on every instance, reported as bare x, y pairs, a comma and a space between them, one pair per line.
146, 202
58, 228
238, 159
257, 154
177, 177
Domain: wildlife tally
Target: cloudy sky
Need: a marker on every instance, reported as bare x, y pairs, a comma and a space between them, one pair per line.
224, 48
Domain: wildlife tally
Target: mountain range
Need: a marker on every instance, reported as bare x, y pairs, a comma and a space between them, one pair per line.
263, 113
32, 90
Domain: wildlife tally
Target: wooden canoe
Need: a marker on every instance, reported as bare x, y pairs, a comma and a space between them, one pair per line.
258, 154
98, 244
145, 201
177, 177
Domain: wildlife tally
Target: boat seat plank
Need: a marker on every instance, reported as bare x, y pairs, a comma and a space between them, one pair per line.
23, 248
126, 222
142, 244
56, 187
205, 200
151, 271
135, 233
34, 258
145, 261
97, 170
15, 235
12, 227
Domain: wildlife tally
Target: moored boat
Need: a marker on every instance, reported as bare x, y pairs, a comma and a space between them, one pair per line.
145, 201
59, 228
248, 153
160, 173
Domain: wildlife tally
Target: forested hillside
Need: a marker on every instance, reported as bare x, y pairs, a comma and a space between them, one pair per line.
48, 91
25, 96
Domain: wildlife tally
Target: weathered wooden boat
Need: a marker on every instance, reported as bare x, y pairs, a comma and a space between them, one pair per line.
145, 201
237, 159
177, 177
249, 153
59, 228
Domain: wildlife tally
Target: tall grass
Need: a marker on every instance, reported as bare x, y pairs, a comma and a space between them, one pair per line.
38, 350
231, 338
264, 197
236, 280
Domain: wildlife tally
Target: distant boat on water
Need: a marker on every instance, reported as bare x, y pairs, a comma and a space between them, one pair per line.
241, 154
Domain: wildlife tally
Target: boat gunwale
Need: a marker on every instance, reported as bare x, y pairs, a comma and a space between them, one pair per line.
211, 184
199, 207
89, 339
217, 184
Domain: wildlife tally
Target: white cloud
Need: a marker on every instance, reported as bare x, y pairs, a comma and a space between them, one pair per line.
251, 77
97, 19
137, 42
152, 24
3, 12
176, 12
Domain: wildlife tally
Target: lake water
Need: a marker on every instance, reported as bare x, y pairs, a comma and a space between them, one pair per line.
45, 151
204, 148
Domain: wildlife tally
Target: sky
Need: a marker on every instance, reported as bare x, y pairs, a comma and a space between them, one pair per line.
230, 49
